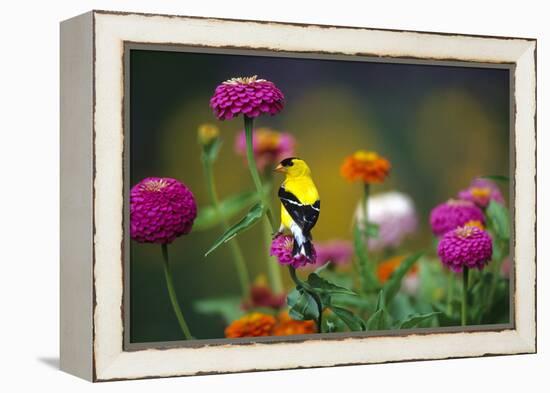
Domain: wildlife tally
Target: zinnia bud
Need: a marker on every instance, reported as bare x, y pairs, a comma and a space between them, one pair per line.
207, 134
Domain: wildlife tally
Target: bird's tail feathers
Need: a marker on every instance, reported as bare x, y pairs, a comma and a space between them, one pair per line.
302, 245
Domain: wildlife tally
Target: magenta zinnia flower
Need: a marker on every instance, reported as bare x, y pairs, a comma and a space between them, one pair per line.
248, 96
452, 214
161, 209
465, 246
281, 247
338, 252
269, 146
481, 192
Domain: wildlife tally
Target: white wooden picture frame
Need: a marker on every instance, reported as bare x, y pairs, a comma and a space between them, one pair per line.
92, 194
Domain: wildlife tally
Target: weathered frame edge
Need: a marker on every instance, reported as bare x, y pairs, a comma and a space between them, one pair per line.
76, 196
528, 345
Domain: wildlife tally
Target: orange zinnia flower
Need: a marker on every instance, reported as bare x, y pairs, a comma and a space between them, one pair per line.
251, 325
366, 166
386, 268
287, 326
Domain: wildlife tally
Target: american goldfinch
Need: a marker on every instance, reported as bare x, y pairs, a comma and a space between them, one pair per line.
300, 204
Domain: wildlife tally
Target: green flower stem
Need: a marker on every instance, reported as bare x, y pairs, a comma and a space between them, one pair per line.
363, 269
450, 288
495, 266
238, 258
248, 127
273, 270
464, 318
172, 294
300, 284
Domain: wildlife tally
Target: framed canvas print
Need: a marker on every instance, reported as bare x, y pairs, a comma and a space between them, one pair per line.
245, 195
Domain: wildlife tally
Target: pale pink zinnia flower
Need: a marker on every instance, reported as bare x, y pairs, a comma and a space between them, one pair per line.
269, 146
337, 252
395, 215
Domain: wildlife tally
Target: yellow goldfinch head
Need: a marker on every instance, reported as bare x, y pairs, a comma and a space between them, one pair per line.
293, 167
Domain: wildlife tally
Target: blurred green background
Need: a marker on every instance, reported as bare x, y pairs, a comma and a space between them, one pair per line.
440, 126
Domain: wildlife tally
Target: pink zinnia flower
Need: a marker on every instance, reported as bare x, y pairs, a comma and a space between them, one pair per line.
395, 215
281, 247
452, 214
481, 192
261, 296
248, 96
269, 146
338, 252
506, 267
466, 246
161, 209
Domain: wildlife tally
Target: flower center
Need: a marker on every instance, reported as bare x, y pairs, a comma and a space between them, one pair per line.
243, 80
458, 202
154, 185
480, 192
465, 231
289, 243
474, 223
267, 140
365, 156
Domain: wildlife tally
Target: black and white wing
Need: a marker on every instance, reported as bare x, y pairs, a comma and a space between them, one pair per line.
305, 216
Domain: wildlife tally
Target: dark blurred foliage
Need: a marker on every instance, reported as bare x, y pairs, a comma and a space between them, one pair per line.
440, 126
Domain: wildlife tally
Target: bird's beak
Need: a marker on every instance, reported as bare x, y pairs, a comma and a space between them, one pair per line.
280, 169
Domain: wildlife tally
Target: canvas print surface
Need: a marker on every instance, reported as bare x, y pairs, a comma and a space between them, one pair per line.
280, 196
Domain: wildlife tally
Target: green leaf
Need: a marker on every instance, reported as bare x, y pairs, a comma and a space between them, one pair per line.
380, 320
392, 286
228, 307
208, 217
414, 320
445, 319
253, 216
343, 279
211, 150
354, 322
499, 219
356, 302
366, 269
302, 305
324, 286
373, 230
401, 306
500, 178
